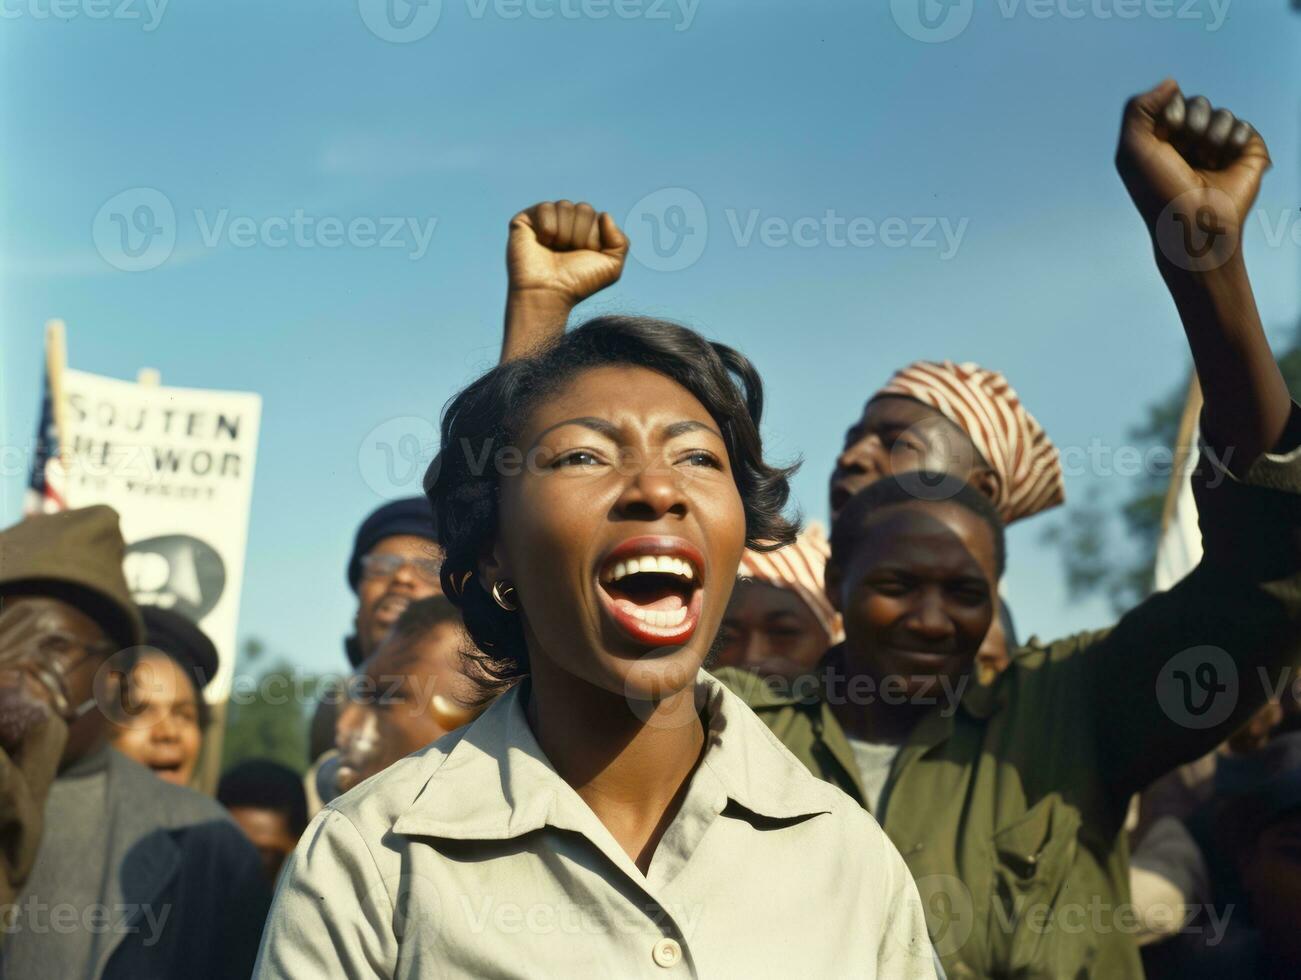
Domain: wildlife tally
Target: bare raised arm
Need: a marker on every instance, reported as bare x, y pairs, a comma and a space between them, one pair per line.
1193, 172
1221, 637
559, 253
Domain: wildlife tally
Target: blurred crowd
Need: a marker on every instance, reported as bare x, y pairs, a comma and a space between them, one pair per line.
1061, 812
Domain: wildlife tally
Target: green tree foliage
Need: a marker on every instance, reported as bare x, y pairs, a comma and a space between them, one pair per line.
1108, 545
269, 711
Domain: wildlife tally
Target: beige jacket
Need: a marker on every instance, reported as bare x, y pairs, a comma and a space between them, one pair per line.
472, 858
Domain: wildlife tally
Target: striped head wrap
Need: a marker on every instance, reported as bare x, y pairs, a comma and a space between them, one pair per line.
985, 407
800, 567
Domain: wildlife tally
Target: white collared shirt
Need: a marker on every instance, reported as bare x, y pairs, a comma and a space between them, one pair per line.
473, 858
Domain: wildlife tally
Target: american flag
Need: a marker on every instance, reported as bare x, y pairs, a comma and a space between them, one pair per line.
45, 487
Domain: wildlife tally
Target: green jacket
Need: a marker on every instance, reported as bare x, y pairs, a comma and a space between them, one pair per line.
1009, 806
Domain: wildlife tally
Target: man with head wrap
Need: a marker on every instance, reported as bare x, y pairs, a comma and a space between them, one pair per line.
967, 423
957, 419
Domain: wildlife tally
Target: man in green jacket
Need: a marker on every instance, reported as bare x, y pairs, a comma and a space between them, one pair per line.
1008, 800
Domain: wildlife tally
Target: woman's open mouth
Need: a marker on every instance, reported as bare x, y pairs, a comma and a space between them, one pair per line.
653, 589
170, 770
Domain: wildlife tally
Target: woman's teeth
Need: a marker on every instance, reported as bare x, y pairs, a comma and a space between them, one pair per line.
662, 564
655, 598
664, 620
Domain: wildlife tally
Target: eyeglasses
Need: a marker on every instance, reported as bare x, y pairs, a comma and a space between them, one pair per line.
386, 566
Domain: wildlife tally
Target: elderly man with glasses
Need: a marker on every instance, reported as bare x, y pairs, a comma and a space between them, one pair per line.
108, 871
395, 561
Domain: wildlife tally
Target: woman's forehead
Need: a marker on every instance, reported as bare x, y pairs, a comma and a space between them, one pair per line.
160, 675
619, 395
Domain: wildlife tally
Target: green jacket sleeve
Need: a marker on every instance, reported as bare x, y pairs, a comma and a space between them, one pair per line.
1187, 667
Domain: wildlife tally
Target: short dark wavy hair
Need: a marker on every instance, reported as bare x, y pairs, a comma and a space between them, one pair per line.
916, 487
488, 415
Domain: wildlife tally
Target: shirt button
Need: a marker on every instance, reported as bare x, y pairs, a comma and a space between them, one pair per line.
666, 953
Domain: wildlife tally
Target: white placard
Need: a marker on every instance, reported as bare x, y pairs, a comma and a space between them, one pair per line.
177, 465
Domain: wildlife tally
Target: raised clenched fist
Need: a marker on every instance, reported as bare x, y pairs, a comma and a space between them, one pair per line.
569, 249
1193, 171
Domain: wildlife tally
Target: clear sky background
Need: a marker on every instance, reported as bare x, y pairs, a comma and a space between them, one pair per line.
776, 110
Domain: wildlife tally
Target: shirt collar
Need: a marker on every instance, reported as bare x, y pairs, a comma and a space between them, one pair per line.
496, 783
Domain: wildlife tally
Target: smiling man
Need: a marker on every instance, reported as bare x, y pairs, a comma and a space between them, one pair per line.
1034, 771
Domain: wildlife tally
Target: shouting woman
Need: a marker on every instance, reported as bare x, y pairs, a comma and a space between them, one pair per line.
616, 812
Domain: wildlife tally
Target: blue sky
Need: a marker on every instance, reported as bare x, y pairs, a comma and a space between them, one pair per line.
763, 110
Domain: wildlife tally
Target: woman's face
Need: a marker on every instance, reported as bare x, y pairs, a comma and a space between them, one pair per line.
158, 725
900, 435
621, 533
917, 594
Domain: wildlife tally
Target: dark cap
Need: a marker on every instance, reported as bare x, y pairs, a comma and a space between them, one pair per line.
182, 640
75, 556
410, 515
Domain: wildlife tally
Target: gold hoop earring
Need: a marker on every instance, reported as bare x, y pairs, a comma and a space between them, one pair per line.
503, 593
